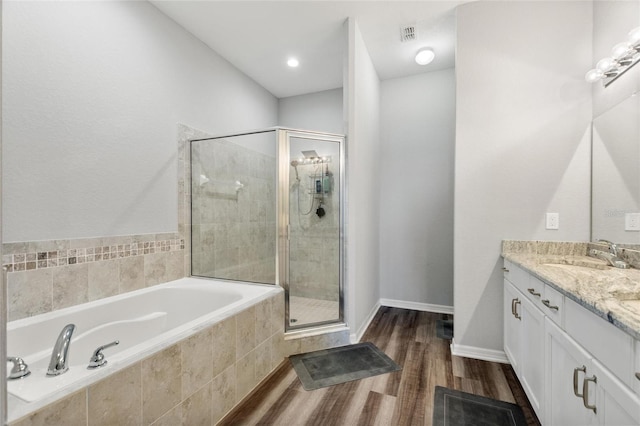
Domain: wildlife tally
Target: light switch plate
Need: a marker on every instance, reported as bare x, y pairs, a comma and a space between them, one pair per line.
553, 220
632, 222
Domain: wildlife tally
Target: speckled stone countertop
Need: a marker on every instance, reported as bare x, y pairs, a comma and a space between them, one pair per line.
610, 293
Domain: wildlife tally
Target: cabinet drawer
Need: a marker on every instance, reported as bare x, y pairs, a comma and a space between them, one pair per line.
516, 275
534, 290
553, 305
610, 345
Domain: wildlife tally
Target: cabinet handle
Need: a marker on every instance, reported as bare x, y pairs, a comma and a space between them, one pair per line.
515, 310
548, 305
575, 379
533, 291
513, 307
585, 392
505, 269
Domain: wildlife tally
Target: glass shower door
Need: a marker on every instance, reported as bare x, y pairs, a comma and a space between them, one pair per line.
314, 270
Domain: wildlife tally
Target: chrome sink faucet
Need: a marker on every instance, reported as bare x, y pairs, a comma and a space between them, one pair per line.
612, 257
613, 248
60, 356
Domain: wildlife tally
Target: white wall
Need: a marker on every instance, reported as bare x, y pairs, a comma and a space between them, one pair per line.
92, 95
320, 111
416, 188
523, 113
363, 165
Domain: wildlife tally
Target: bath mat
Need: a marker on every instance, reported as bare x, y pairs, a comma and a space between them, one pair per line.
333, 366
444, 329
455, 408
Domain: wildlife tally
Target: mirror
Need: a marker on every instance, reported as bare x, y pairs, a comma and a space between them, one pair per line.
615, 199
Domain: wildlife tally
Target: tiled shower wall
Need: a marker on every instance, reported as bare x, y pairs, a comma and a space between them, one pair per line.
314, 246
234, 227
43, 276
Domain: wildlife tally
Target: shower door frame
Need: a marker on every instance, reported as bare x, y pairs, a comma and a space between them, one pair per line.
283, 252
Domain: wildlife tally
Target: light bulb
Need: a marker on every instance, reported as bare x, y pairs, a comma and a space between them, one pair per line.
621, 50
634, 35
605, 64
425, 56
293, 62
593, 75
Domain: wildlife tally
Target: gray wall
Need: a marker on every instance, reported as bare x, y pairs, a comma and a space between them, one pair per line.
320, 111
416, 188
93, 92
363, 178
523, 115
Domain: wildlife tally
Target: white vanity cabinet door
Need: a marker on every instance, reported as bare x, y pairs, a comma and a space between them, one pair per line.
607, 343
512, 325
565, 361
616, 404
532, 355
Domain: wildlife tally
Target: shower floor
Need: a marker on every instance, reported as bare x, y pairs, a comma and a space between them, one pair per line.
305, 310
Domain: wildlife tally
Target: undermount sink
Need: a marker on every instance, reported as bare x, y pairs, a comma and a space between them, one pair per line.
583, 261
628, 299
633, 304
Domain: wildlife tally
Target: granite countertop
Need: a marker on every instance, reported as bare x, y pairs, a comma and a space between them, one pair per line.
610, 293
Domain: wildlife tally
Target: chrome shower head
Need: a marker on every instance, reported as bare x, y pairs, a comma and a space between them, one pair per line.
310, 154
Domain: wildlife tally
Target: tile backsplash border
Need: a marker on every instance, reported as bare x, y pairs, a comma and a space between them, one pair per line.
49, 254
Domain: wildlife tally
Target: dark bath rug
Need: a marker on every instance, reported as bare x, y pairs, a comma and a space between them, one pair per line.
444, 329
455, 408
333, 366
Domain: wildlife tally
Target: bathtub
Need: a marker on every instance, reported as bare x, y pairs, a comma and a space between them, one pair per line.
143, 321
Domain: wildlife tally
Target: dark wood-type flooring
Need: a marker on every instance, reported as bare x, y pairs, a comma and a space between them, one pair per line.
401, 398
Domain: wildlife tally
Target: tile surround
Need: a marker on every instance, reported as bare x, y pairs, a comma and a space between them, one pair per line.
187, 383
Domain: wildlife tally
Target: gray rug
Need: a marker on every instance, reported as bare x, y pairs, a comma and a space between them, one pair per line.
444, 329
455, 408
333, 366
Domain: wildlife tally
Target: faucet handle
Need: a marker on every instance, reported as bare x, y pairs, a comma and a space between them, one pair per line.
98, 359
20, 368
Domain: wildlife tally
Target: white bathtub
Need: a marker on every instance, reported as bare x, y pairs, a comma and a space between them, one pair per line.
144, 321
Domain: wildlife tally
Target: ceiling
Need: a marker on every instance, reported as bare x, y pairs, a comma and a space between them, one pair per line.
259, 36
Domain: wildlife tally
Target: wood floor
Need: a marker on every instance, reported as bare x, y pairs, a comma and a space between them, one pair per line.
401, 398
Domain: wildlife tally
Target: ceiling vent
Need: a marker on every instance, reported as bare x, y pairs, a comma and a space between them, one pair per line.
408, 33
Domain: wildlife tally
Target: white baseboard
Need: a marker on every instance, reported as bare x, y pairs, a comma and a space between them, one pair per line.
355, 337
478, 353
416, 306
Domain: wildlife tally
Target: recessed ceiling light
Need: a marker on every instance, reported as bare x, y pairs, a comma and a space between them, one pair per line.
293, 62
425, 56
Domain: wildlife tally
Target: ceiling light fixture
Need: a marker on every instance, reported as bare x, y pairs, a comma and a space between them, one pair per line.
425, 56
293, 62
623, 56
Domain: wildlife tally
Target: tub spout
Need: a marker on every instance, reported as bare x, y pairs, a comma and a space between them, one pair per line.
59, 357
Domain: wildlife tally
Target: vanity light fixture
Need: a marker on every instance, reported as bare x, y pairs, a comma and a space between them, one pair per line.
293, 62
425, 56
623, 56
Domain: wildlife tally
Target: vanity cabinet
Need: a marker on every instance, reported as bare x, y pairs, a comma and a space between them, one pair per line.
524, 339
567, 367
575, 368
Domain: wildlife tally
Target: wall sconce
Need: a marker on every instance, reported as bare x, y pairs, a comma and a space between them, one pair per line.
623, 56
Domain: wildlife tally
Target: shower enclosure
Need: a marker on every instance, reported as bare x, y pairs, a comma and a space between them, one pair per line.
267, 207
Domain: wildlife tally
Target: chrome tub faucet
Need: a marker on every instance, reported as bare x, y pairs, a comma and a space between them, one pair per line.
60, 356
